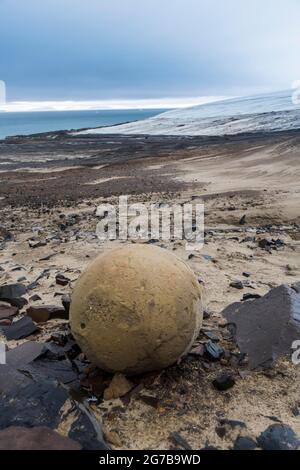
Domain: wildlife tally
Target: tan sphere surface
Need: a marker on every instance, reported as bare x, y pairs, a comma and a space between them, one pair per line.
135, 309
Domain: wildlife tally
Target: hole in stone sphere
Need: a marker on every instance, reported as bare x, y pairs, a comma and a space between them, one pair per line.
82, 326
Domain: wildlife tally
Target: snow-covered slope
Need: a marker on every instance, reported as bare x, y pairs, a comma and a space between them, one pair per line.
269, 112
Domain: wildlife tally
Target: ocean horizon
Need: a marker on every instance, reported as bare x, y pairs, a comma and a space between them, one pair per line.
27, 123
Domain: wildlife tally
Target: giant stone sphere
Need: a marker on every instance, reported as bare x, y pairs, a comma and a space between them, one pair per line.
136, 309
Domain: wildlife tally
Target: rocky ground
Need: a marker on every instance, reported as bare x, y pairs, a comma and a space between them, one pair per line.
214, 397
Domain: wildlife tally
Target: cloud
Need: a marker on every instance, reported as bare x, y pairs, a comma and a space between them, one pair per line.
98, 49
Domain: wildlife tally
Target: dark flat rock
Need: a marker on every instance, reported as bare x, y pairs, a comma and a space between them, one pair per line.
28, 399
43, 313
223, 382
266, 328
8, 312
279, 437
60, 370
66, 302
245, 443
11, 291
62, 280
19, 329
37, 438
213, 351
24, 354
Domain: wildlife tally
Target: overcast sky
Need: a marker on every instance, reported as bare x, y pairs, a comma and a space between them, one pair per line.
127, 49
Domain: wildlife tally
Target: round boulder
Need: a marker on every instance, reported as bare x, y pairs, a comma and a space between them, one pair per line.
135, 309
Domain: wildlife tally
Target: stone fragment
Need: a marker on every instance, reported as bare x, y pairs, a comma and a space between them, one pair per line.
180, 441
279, 437
245, 443
6, 311
37, 438
250, 296
267, 327
5, 234
118, 387
66, 302
24, 354
19, 329
31, 400
213, 351
223, 382
62, 280
237, 285
9, 292
271, 244
43, 313
36, 243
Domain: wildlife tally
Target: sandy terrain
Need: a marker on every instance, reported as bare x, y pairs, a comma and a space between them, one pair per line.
255, 176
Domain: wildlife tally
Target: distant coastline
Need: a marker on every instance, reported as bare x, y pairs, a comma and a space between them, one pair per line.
27, 123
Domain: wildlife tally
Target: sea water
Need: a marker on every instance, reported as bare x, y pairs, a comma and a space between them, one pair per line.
26, 123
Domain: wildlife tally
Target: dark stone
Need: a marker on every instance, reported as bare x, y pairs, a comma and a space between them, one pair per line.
35, 298
6, 322
226, 427
43, 313
8, 311
19, 329
250, 296
87, 431
232, 423
246, 274
47, 257
24, 354
180, 441
212, 336
37, 438
66, 301
62, 280
29, 399
37, 243
62, 370
55, 351
242, 221
245, 443
237, 284
5, 234
223, 382
206, 315
271, 244
11, 291
279, 437
19, 302
213, 351
266, 328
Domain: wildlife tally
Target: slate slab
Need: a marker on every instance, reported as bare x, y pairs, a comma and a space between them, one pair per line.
266, 328
11, 291
37, 438
279, 437
19, 329
43, 313
24, 354
28, 399
6, 311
